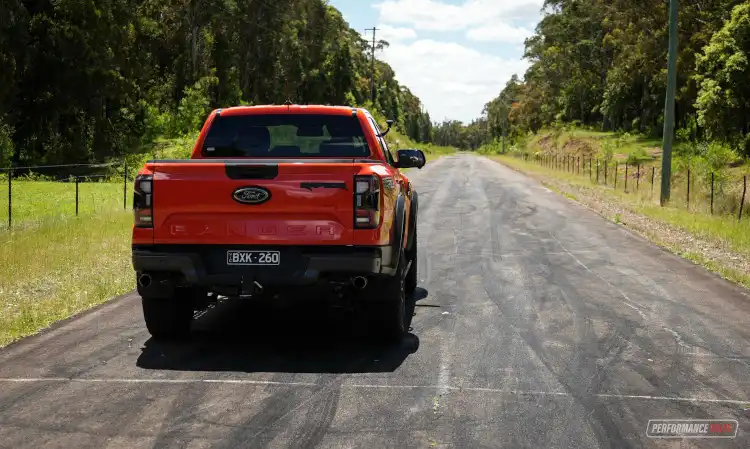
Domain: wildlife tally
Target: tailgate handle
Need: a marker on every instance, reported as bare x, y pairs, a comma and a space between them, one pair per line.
239, 171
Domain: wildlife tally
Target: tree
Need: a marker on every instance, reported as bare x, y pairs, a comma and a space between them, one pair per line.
85, 81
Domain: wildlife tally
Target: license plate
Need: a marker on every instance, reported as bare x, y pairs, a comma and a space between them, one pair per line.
235, 257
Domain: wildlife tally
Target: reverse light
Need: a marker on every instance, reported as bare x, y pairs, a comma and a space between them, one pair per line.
366, 202
363, 186
145, 185
143, 201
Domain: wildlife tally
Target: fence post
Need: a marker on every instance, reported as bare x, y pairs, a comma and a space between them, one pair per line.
744, 190
616, 167
638, 177
687, 204
712, 193
77, 178
10, 197
125, 186
591, 169
626, 176
653, 172
597, 171
606, 169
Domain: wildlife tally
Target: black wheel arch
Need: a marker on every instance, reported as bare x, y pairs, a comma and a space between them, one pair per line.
413, 212
400, 222
399, 228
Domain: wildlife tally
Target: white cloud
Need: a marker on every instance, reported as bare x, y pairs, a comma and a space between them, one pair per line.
394, 34
500, 32
453, 81
435, 15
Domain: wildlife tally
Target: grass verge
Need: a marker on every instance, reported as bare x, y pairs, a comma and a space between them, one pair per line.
60, 268
720, 243
37, 202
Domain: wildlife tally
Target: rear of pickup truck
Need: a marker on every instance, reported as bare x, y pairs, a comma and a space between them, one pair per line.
272, 199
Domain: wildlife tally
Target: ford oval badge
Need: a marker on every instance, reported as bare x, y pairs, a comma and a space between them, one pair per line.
251, 195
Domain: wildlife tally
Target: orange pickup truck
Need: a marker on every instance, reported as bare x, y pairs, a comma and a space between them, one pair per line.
274, 198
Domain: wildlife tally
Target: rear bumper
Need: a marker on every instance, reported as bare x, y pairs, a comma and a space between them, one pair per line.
205, 265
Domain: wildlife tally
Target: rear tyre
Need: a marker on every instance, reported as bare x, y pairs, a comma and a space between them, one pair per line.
169, 318
391, 305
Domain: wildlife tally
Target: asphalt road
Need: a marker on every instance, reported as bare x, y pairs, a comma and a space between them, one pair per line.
538, 324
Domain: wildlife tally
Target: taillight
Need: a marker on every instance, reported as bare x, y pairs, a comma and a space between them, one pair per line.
143, 201
366, 202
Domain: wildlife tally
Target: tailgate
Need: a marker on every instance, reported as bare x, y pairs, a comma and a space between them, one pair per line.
254, 203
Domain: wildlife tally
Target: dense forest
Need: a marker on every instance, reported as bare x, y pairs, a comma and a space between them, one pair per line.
85, 81
602, 64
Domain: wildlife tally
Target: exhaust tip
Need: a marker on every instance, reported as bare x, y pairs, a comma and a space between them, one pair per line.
359, 282
144, 280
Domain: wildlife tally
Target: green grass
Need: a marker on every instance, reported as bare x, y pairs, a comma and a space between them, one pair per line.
35, 202
61, 267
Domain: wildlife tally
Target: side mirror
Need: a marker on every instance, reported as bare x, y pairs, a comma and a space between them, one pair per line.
411, 158
390, 125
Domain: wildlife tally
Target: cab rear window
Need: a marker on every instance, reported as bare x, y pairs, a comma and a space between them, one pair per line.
285, 135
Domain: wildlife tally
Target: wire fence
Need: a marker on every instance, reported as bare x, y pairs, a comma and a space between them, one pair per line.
40, 192
694, 188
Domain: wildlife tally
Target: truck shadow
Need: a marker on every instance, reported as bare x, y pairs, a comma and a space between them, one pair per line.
306, 337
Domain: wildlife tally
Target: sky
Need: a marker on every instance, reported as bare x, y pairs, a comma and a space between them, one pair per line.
455, 55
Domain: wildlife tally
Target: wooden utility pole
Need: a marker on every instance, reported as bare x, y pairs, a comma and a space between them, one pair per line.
668, 133
372, 66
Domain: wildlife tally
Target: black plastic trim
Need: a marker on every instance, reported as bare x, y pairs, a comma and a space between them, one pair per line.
251, 171
413, 218
398, 229
190, 261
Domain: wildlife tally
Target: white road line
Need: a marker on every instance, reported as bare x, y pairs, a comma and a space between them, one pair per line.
372, 386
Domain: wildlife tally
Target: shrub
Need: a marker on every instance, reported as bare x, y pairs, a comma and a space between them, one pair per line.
638, 156
607, 151
192, 110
